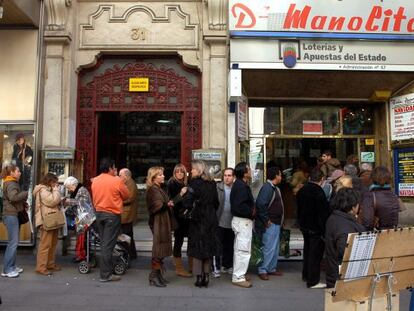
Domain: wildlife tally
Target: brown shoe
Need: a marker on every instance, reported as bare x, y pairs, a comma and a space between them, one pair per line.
263, 276
44, 272
112, 278
244, 284
277, 273
55, 268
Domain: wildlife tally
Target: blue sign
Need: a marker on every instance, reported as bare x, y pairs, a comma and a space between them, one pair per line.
404, 172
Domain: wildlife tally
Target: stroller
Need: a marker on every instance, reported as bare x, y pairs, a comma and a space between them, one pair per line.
85, 222
120, 255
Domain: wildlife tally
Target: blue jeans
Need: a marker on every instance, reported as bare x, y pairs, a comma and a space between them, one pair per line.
412, 301
12, 224
271, 241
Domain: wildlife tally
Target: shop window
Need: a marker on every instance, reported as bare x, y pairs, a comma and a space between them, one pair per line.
327, 117
358, 121
264, 120
17, 147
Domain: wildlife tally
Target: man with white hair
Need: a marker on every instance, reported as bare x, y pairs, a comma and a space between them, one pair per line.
365, 175
130, 208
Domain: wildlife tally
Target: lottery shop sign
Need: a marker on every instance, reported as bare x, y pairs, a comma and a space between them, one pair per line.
323, 16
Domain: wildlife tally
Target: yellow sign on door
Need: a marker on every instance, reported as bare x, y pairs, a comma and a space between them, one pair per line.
138, 84
369, 141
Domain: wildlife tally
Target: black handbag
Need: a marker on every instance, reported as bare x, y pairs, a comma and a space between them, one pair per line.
23, 216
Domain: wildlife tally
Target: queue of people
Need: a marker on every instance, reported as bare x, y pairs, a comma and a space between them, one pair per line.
219, 219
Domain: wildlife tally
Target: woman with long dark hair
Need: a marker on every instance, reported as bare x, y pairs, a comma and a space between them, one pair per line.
13, 203
177, 187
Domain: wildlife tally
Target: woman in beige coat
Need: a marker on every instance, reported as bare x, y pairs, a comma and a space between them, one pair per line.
48, 198
159, 207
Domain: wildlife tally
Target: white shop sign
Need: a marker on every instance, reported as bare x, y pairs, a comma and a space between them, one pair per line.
323, 55
323, 16
402, 117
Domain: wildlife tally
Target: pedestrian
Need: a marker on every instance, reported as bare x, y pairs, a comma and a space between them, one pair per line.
177, 185
130, 209
268, 222
13, 202
365, 174
223, 261
202, 202
313, 211
79, 197
160, 222
48, 199
108, 193
380, 206
340, 223
329, 163
243, 211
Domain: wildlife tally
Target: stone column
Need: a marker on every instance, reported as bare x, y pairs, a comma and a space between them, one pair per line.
57, 75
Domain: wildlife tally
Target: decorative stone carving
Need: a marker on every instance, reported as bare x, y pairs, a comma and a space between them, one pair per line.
57, 13
217, 14
139, 27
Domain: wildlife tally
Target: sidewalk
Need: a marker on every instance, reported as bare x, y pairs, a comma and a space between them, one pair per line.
69, 290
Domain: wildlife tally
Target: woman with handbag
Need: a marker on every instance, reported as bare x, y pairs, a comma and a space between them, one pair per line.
160, 222
202, 202
14, 202
380, 206
48, 219
177, 187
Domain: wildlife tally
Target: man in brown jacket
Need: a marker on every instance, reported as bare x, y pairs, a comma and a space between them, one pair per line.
130, 208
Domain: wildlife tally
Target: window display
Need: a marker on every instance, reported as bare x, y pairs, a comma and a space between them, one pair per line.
17, 147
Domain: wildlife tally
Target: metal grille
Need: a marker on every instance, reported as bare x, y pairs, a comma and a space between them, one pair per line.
109, 91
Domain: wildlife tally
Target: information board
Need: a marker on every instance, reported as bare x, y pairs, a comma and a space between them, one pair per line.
402, 117
404, 172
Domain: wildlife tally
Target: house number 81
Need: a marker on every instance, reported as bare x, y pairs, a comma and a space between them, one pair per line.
139, 34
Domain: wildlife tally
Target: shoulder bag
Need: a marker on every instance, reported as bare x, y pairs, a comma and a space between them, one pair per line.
52, 218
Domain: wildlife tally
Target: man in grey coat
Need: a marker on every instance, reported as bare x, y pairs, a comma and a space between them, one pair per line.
225, 234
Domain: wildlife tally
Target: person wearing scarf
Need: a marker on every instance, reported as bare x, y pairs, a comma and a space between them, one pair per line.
380, 206
13, 202
79, 195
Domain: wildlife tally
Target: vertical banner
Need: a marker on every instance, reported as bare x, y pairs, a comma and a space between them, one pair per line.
242, 119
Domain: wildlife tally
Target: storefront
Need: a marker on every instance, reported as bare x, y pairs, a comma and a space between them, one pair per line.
318, 75
20, 65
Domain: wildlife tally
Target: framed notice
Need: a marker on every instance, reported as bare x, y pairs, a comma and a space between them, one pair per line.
404, 172
311, 127
402, 117
242, 121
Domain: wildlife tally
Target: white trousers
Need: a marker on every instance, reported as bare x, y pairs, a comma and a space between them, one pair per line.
243, 229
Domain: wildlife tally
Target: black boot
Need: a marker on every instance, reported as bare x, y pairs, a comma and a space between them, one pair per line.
162, 278
205, 279
199, 281
154, 280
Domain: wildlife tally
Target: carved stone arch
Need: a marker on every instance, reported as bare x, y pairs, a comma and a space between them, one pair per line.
104, 88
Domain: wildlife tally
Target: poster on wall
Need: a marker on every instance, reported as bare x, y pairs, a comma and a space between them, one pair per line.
404, 172
214, 158
242, 123
402, 117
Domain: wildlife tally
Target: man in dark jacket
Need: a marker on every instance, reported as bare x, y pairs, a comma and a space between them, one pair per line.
313, 211
341, 222
243, 210
268, 222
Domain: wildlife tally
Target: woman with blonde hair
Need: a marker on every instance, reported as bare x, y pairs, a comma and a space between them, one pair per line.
343, 182
202, 202
13, 203
159, 206
48, 200
177, 187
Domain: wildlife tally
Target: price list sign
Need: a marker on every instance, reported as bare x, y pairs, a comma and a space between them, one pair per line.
404, 172
402, 117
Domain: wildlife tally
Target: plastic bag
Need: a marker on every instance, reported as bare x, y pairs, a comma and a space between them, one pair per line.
85, 216
256, 257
